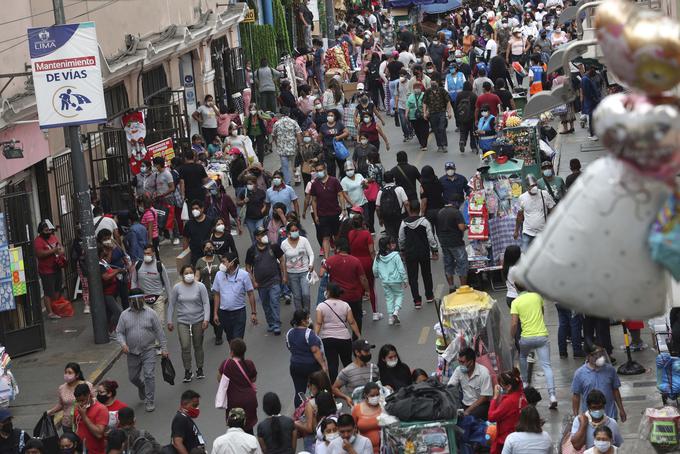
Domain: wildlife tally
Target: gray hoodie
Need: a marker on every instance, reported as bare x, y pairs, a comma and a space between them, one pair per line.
416, 239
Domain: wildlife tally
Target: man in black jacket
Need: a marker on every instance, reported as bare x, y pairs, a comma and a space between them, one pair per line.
417, 241
464, 109
406, 175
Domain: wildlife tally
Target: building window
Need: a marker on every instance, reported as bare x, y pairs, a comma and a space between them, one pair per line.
116, 100
154, 83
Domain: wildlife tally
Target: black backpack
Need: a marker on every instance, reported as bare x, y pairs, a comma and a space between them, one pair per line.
389, 202
426, 401
464, 109
159, 267
373, 71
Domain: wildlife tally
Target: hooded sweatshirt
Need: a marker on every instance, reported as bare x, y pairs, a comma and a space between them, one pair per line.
389, 268
416, 239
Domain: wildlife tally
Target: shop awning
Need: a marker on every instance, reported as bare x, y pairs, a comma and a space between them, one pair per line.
438, 8
407, 3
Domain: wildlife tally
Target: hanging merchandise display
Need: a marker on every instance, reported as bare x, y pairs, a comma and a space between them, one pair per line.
281, 27
135, 133
9, 389
599, 233
7, 302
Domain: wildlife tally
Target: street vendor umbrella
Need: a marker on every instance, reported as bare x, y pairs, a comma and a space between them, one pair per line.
630, 367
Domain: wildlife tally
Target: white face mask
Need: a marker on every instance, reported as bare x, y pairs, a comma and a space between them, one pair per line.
264, 239
219, 228
533, 190
148, 258
250, 187
485, 114
392, 363
435, 42
603, 445
223, 267
450, 46
107, 242
276, 181
317, 106
450, 172
373, 400
306, 139
331, 118
599, 362
417, 91
367, 120
363, 141
402, 79
234, 133
332, 436
189, 278
195, 213
350, 173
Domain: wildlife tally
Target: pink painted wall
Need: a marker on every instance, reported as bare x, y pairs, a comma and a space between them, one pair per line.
33, 142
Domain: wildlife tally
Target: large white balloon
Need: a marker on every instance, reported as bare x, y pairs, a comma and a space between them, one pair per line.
593, 255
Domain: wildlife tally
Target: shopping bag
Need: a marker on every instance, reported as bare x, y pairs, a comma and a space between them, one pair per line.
312, 278
168, 370
341, 151
62, 307
185, 212
46, 431
221, 395
565, 443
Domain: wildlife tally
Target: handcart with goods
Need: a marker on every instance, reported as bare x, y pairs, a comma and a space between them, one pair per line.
9, 389
420, 437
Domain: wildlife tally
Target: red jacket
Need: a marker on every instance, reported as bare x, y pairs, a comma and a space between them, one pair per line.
505, 413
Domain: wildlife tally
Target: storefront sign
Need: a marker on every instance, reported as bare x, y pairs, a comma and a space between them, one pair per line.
250, 17
164, 148
67, 75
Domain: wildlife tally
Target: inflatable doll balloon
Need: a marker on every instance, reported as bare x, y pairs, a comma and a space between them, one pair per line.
592, 255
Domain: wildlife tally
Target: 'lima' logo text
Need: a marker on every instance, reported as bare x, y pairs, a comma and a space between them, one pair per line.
45, 41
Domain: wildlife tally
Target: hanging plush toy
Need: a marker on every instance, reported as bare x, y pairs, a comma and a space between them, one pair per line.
135, 133
594, 254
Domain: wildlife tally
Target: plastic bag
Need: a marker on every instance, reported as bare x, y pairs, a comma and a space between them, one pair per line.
46, 431
312, 278
341, 151
168, 370
664, 237
185, 212
62, 307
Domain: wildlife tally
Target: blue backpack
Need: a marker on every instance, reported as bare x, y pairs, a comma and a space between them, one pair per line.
481, 65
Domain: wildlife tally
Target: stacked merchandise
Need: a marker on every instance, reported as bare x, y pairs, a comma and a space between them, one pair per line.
9, 389
337, 60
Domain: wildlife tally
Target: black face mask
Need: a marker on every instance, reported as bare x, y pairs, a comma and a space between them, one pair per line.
256, 172
102, 398
46, 235
8, 427
366, 357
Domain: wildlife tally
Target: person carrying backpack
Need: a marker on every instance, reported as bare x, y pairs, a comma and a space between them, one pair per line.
138, 441
464, 108
391, 205
151, 277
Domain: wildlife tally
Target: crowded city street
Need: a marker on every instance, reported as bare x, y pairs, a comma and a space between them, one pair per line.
340, 227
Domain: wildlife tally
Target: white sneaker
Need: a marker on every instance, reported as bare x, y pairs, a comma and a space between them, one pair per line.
377, 316
175, 242
86, 310
390, 321
395, 316
553, 402
593, 138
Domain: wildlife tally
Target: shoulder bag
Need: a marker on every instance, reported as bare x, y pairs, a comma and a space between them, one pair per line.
344, 322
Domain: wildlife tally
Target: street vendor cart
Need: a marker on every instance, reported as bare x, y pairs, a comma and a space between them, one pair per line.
420, 437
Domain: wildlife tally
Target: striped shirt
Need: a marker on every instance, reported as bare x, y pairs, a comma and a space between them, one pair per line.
139, 330
353, 376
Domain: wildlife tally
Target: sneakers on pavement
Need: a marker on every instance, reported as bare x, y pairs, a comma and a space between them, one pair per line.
175, 242
395, 316
149, 407
593, 138
199, 373
430, 301
390, 321
418, 304
377, 316
187, 376
219, 341
86, 310
553, 402
53, 316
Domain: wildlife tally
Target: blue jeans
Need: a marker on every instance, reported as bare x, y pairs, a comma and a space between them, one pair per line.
233, 323
570, 324
542, 346
285, 169
405, 124
392, 104
526, 241
269, 297
252, 225
438, 123
299, 286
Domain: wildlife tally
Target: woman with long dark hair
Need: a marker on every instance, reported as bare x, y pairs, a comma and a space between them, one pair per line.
361, 246
73, 376
306, 421
510, 258
276, 434
393, 373
306, 356
507, 402
529, 435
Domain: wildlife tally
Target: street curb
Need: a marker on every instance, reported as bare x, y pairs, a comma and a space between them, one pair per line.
97, 374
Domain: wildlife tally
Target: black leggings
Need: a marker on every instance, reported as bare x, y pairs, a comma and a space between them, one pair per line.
300, 374
337, 350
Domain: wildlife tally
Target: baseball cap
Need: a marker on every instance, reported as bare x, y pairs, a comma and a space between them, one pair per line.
545, 164
5, 414
260, 231
449, 165
360, 86
362, 345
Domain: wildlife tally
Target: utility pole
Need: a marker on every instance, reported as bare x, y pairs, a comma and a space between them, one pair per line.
330, 22
83, 203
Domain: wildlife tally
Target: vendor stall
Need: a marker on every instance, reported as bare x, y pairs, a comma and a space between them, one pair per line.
420, 437
471, 318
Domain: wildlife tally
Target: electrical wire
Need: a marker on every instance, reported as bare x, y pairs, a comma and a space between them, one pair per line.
37, 14
25, 38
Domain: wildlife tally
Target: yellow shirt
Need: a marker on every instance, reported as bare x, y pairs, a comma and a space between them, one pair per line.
528, 306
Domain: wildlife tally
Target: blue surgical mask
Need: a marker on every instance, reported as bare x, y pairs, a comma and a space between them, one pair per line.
295, 235
596, 414
548, 173
463, 369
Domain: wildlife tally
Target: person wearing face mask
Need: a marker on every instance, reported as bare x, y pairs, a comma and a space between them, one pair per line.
70, 443
90, 420
529, 436
145, 180
73, 376
281, 192
184, 432
206, 116
558, 37
138, 331
358, 373
150, 221
267, 272
222, 240
253, 198
437, 110
151, 276
507, 402
231, 287
518, 46
110, 281
436, 51
585, 427
192, 178
318, 115
50, 254
366, 414
308, 153
286, 136
255, 128
401, 96
371, 131
299, 262
197, 230
12, 440
306, 356
552, 183
190, 298
597, 374
329, 430
106, 395
535, 205
503, 36
475, 384
415, 114
206, 269
219, 205
394, 374
333, 131
349, 442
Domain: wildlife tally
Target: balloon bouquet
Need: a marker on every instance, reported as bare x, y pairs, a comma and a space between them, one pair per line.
607, 245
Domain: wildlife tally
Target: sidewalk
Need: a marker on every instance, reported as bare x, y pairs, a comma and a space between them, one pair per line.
569, 146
